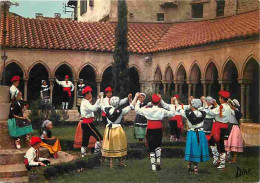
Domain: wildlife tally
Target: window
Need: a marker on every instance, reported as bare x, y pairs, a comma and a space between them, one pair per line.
160, 16
220, 8
197, 10
83, 6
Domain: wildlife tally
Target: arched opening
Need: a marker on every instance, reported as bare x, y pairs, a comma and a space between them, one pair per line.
251, 72
11, 70
158, 81
181, 77
134, 80
169, 80
195, 76
60, 74
107, 78
36, 75
212, 76
88, 74
230, 75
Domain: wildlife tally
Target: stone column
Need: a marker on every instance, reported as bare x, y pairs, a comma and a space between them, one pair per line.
189, 89
247, 100
75, 93
205, 89
180, 89
51, 88
194, 90
209, 89
176, 87
98, 81
169, 89
157, 87
164, 88
243, 100
154, 88
25, 88
228, 87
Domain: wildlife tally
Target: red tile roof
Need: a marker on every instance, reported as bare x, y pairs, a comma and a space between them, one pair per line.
143, 37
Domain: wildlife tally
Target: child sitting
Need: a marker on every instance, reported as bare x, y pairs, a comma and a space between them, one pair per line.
32, 157
49, 141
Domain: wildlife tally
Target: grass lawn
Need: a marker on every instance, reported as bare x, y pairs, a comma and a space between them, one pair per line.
173, 170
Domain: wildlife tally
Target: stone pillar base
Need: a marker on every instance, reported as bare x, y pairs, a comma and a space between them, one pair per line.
6, 142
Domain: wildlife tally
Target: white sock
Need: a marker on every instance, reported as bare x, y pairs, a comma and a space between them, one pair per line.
152, 159
63, 105
67, 104
83, 150
158, 152
222, 160
97, 147
215, 153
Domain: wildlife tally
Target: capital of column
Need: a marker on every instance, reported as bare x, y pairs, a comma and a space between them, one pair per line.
166, 82
99, 80
245, 81
25, 79
76, 80
51, 80
224, 81
178, 81
205, 81
191, 82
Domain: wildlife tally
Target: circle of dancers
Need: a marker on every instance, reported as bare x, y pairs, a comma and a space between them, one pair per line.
209, 126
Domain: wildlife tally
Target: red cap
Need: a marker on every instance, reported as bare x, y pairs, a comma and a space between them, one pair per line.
86, 89
35, 140
108, 89
155, 98
176, 96
15, 78
67, 76
224, 94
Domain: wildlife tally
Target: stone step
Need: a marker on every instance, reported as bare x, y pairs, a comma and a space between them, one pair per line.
23, 179
15, 156
12, 171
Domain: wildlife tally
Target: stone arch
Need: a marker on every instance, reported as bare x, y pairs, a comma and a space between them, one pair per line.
19, 64
195, 72
210, 68
88, 73
104, 69
64, 63
181, 73
229, 64
134, 76
87, 64
42, 63
248, 67
168, 76
140, 73
158, 74
106, 76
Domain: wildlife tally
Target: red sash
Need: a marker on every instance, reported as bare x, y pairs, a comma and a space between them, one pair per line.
88, 120
104, 114
67, 89
154, 124
177, 118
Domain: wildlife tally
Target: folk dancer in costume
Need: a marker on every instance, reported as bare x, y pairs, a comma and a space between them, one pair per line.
49, 141
45, 96
222, 115
140, 123
106, 102
80, 96
68, 87
196, 144
32, 156
18, 125
235, 140
115, 143
14, 88
154, 116
87, 113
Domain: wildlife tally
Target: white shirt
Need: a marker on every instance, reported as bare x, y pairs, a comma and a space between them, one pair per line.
87, 109
191, 126
153, 113
226, 113
107, 104
31, 155
208, 115
66, 84
172, 107
233, 119
116, 123
13, 91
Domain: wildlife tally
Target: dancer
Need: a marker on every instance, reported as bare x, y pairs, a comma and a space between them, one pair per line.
154, 134
45, 96
49, 141
18, 125
80, 96
14, 88
87, 113
68, 87
106, 102
115, 143
235, 140
32, 156
140, 123
196, 145
222, 115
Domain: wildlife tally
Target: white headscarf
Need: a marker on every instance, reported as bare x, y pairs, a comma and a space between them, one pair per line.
196, 103
45, 123
114, 101
143, 94
235, 102
209, 99
42, 81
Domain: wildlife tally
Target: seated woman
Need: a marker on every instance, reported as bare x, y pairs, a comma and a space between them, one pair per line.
49, 141
18, 125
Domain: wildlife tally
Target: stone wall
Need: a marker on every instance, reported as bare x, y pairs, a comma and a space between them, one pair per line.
247, 5
251, 133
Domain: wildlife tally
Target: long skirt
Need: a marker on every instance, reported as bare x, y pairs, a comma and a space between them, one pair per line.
139, 132
15, 131
114, 142
53, 148
196, 147
235, 140
78, 138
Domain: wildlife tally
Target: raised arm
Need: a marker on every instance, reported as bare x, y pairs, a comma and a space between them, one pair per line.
72, 86
57, 81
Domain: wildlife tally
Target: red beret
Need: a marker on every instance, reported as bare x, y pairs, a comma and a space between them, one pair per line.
224, 94
108, 89
15, 78
86, 89
67, 76
176, 96
155, 98
35, 140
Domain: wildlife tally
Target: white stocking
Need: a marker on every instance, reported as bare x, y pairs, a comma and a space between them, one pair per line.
152, 158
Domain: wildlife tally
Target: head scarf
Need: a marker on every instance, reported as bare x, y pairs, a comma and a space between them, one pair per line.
209, 99
114, 101
235, 102
196, 103
45, 123
143, 94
